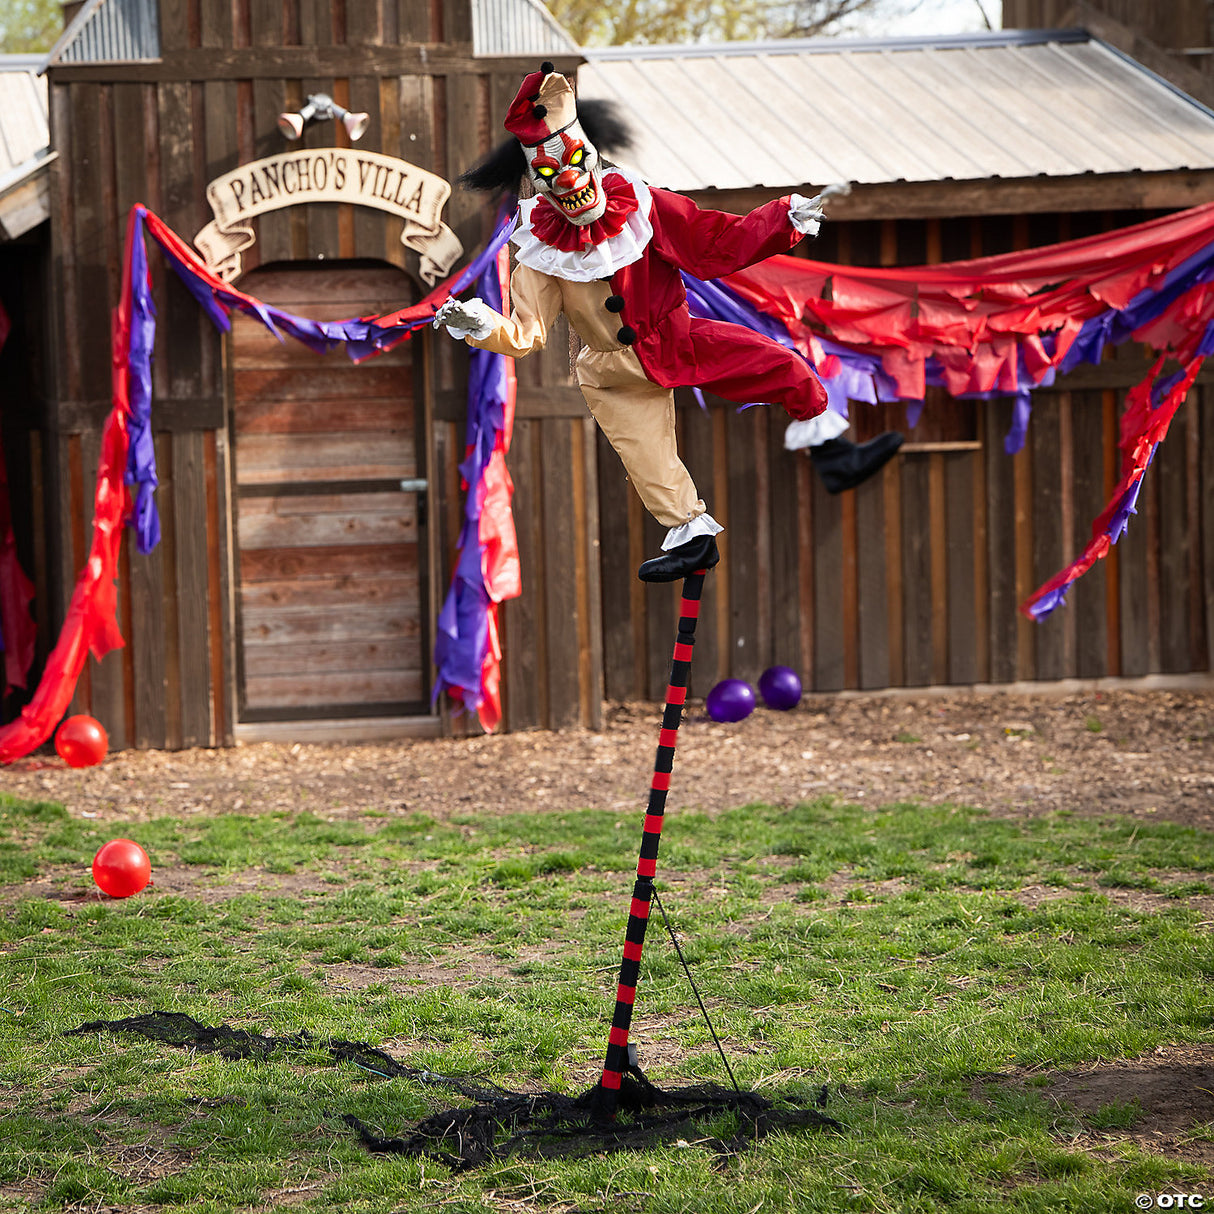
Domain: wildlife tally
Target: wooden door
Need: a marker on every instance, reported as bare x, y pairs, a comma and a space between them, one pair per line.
328, 544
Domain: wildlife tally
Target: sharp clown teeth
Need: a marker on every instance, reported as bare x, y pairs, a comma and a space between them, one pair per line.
583, 198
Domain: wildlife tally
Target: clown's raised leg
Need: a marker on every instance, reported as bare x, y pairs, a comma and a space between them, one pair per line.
637, 418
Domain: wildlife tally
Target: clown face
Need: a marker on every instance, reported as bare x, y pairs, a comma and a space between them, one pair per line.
567, 169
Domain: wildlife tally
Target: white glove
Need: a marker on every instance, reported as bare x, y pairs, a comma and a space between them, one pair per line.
473, 318
806, 214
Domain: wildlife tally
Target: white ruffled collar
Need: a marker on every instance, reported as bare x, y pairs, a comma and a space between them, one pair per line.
598, 261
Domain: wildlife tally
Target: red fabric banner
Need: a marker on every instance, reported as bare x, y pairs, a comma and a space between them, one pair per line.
91, 622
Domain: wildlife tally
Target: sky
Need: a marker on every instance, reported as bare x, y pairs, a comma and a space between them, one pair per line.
904, 18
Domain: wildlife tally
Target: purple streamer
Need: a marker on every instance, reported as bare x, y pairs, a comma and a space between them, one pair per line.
1049, 602
1021, 411
462, 639
1120, 518
141, 451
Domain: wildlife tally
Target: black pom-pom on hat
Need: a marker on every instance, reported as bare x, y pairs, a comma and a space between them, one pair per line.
547, 67
539, 111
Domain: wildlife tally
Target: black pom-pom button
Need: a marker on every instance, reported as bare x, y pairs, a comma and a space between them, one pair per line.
627, 334
615, 303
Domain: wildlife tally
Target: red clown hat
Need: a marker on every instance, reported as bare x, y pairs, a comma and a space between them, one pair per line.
544, 105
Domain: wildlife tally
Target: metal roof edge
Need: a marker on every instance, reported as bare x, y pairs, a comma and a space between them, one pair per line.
553, 24
1170, 85
73, 28
21, 63
513, 57
833, 46
22, 172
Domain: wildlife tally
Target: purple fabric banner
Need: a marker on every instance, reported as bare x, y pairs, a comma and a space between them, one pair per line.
463, 622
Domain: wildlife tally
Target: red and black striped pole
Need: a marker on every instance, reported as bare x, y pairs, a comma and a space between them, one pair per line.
642, 894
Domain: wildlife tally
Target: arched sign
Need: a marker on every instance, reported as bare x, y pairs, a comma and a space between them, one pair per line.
328, 175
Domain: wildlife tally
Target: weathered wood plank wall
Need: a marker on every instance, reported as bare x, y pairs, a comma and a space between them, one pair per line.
914, 579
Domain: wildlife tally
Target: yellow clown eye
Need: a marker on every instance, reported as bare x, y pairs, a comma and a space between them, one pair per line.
546, 172
577, 157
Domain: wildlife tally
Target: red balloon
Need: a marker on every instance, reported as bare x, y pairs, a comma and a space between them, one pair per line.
81, 741
121, 868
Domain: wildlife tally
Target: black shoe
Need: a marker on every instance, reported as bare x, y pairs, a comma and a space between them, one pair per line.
843, 465
698, 553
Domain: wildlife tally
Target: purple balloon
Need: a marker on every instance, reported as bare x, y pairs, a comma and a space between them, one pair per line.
780, 688
730, 700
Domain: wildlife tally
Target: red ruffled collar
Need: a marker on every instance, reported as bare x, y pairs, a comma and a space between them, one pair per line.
553, 228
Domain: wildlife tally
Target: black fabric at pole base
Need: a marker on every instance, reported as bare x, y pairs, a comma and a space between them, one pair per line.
635, 1117
498, 1122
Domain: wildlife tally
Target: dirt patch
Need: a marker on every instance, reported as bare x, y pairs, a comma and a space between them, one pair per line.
143, 1162
1142, 901
458, 968
1162, 1102
1128, 752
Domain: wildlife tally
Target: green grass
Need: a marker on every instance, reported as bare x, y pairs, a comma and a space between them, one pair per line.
926, 963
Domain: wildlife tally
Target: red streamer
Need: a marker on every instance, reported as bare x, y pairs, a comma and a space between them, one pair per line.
91, 623
983, 321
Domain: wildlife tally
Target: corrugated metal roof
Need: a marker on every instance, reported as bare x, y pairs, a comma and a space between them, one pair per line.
965, 107
109, 31
517, 27
25, 152
106, 31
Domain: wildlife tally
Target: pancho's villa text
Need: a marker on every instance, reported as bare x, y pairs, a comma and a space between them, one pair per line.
366, 179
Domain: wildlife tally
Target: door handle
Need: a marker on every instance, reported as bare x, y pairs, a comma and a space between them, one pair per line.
414, 484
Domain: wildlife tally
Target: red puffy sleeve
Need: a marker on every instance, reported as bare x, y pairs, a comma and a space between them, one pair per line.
710, 244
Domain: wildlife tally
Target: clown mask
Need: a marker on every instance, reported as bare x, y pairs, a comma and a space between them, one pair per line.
566, 169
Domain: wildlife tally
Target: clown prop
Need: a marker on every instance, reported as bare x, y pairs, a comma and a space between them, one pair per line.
600, 246
604, 248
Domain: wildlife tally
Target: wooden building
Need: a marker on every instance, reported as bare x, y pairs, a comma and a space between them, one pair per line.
295, 590
296, 580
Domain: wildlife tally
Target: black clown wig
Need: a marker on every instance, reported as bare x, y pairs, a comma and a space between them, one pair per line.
503, 169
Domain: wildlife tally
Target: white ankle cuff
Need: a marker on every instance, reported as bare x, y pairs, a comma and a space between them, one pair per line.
702, 524
814, 431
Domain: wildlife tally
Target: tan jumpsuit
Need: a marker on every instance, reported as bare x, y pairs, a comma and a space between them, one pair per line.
635, 414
